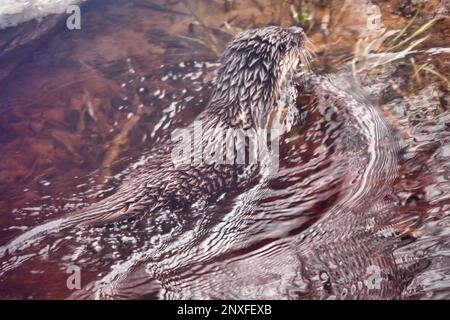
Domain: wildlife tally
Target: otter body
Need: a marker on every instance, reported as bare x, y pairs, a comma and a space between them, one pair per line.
255, 67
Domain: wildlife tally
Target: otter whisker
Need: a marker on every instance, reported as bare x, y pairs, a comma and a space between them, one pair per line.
311, 47
305, 60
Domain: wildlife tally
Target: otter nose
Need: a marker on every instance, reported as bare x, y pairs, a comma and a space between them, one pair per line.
298, 36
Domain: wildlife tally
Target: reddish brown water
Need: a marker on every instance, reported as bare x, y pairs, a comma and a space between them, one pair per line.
359, 208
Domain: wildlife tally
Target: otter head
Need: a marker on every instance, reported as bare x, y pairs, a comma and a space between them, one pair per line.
254, 67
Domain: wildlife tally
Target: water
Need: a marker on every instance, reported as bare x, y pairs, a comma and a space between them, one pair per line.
358, 209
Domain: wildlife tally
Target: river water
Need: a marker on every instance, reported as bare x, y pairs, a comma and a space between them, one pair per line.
359, 208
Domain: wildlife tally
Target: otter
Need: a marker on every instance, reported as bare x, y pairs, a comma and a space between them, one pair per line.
255, 67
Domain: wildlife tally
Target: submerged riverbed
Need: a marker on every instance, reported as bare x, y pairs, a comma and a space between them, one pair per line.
359, 207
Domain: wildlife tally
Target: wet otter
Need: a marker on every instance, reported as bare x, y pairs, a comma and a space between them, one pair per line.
255, 67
